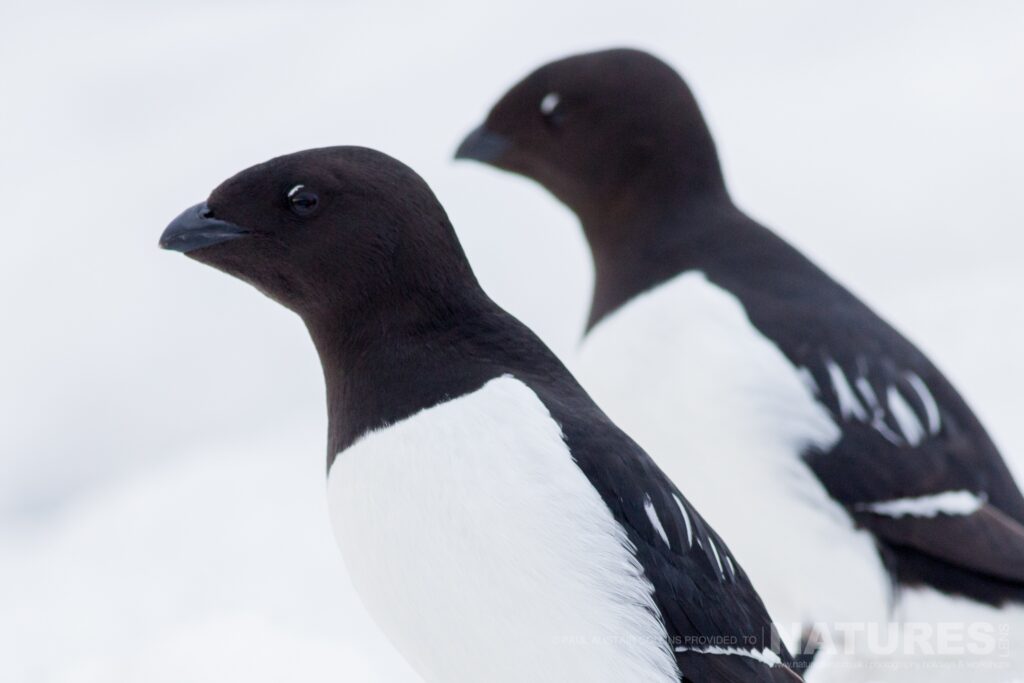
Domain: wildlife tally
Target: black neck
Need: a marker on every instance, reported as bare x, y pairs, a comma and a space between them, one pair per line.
646, 242
387, 365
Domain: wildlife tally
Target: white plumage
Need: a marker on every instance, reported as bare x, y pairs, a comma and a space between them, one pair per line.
726, 415
486, 555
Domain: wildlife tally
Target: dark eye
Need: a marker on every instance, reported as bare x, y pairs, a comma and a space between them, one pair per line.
551, 110
302, 200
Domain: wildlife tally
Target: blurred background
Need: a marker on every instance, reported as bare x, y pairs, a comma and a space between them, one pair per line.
162, 512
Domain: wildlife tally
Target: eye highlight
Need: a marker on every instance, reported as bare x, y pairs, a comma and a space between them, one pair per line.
550, 103
302, 201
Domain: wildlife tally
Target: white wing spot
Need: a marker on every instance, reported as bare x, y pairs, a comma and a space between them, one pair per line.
686, 520
849, 406
718, 559
652, 515
931, 408
959, 503
911, 427
549, 103
882, 428
765, 656
866, 390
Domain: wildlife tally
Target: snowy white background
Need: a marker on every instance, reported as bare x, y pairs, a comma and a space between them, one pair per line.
161, 473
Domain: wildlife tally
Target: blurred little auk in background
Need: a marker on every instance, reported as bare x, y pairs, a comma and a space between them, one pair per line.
498, 526
832, 454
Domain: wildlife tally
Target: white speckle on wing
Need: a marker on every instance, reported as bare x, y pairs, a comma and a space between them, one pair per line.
877, 411
731, 566
870, 397
652, 515
549, 103
718, 559
686, 520
959, 503
849, 406
291, 192
882, 428
765, 656
911, 427
931, 408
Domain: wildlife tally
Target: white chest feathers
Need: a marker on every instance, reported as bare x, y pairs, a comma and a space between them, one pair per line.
485, 554
726, 415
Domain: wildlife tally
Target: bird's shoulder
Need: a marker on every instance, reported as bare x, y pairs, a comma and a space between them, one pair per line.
710, 609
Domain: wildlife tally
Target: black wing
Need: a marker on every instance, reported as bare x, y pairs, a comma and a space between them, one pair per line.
716, 622
913, 465
916, 468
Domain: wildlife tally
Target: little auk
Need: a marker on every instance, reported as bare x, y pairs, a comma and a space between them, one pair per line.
497, 525
834, 456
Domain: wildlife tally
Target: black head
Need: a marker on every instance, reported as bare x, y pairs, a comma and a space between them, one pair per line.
336, 230
598, 129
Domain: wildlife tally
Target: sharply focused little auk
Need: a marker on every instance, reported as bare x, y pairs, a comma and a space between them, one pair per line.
498, 526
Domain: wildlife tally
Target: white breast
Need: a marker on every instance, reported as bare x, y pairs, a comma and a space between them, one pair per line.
484, 552
726, 415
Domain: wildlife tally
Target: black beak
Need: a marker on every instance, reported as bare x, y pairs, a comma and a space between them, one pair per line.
196, 228
483, 145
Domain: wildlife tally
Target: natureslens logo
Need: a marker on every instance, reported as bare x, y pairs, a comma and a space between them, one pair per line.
907, 645
967, 646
